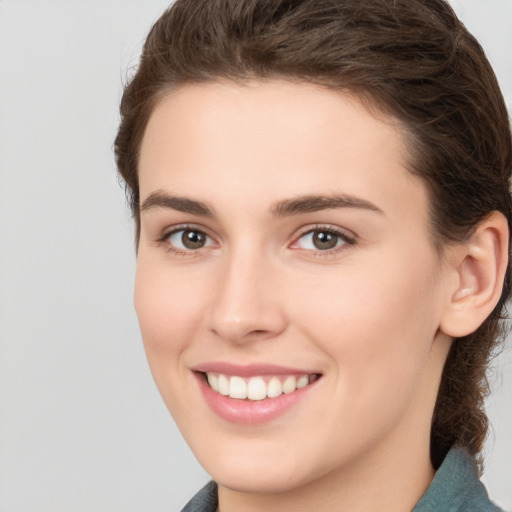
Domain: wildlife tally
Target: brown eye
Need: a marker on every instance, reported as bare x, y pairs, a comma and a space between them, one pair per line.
193, 239
188, 239
323, 240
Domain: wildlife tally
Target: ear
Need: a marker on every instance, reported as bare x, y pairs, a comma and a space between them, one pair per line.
479, 266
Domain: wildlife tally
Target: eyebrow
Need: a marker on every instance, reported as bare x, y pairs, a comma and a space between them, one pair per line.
161, 199
314, 203
284, 208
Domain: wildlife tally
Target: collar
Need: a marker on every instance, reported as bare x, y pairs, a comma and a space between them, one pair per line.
456, 487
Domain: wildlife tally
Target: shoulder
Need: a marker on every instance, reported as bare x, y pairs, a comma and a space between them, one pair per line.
456, 487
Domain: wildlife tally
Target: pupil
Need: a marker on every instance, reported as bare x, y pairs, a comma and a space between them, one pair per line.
193, 239
323, 240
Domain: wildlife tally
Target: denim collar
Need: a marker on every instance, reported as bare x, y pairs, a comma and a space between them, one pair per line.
456, 487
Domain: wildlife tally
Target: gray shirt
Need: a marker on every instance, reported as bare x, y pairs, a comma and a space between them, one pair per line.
455, 488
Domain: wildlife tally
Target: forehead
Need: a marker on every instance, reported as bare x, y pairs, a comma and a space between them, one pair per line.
273, 137
293, 109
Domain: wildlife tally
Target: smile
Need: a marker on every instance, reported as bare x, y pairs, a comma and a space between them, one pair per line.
255, 393
257, 387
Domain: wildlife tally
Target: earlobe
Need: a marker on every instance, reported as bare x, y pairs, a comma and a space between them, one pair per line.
480, 265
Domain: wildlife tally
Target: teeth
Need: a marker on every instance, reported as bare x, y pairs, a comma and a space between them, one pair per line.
213, 380
274, 387
290, 384
223, 385
302, 381
256, 388
237, 387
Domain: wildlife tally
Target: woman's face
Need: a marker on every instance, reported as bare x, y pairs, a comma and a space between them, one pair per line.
285, 253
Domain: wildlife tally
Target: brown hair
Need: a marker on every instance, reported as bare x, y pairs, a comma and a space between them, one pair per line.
412, 59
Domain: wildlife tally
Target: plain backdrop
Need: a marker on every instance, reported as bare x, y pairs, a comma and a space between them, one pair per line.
82, 427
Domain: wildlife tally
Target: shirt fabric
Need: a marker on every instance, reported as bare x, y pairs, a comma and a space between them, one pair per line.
455, 488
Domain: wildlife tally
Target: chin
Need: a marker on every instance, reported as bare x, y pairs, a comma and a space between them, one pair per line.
260, 468
263, 479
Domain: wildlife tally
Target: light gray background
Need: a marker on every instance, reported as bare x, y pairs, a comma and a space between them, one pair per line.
82, 427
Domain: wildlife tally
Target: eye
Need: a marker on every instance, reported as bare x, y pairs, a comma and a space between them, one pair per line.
188, 239
322, 239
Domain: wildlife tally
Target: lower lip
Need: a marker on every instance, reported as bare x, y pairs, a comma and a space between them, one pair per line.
251, 412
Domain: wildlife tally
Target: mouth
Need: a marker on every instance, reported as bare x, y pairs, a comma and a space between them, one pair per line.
259, 387
255, 393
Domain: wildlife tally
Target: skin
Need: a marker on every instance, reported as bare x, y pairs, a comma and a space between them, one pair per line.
366, 315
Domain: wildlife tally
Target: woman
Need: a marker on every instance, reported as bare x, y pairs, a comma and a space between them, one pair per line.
321, 195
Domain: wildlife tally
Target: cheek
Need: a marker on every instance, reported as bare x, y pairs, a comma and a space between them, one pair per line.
169, 310
375, 322
166, 303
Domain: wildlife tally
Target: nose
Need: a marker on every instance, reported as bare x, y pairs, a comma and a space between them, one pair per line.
247, 305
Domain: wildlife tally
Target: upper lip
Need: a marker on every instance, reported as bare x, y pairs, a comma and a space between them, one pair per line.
249, 370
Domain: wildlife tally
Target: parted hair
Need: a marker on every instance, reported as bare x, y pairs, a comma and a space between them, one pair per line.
411, 59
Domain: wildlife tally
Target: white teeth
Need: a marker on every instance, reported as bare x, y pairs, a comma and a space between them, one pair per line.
256, 388
274, 387
223, 385
290, 384
213, 380
302, 381
237, 388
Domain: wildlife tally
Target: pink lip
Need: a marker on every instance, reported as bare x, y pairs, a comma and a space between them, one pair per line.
249, 370
250, 412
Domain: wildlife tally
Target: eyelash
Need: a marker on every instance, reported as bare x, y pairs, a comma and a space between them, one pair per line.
337, 232
320, 228
164, 239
